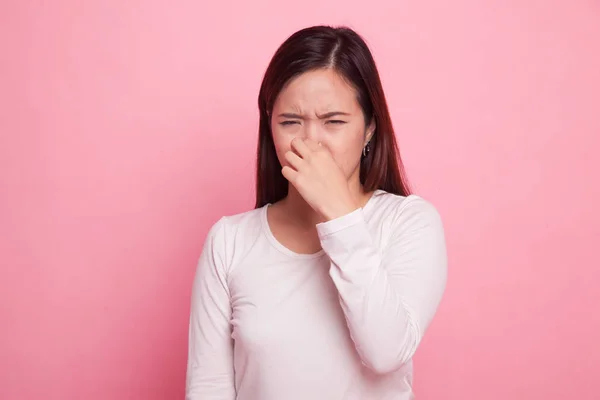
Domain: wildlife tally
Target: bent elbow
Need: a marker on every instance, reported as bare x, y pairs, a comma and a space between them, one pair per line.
389, 360
383, 368
385, 365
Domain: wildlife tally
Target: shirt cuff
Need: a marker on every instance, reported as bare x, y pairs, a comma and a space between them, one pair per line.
351, 219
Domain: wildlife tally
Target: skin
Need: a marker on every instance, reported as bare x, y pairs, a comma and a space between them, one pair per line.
319, 132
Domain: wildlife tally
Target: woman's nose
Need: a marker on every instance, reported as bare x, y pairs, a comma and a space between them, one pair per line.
313, 131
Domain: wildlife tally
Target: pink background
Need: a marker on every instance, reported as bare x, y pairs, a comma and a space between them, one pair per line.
128, 127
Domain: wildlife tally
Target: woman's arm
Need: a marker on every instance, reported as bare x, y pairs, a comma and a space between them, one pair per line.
210, 349
388, 297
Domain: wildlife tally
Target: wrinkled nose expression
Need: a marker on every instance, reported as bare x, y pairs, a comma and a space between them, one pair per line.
320, 105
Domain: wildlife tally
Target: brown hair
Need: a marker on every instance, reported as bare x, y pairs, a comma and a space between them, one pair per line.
345, 51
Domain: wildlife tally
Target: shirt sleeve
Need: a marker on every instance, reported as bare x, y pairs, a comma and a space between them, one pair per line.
210, 373
390, 295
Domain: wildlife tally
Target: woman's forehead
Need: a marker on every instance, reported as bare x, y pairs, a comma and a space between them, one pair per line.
320, 92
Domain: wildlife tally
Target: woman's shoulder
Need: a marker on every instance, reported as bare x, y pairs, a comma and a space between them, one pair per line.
245, 223
409, 209
232, 234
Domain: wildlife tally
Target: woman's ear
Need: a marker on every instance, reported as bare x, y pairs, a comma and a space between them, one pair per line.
370, 131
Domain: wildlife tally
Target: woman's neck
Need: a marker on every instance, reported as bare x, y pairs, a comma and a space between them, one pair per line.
298, 210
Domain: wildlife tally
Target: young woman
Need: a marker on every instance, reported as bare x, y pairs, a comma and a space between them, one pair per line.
326, 288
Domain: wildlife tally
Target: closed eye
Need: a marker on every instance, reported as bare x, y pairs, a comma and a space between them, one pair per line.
285, 123
336, 121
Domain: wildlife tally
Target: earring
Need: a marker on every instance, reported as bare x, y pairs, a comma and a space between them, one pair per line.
366, 150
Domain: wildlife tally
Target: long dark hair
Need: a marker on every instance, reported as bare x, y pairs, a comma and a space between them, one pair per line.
345, 51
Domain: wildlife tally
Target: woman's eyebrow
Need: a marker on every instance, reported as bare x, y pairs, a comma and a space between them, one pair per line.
322, 116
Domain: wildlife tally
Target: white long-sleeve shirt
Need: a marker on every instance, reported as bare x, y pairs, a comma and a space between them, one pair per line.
341, 324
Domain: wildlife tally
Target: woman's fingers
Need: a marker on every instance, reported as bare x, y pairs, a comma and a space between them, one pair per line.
299, 146
312, 145
293, 159
289, 174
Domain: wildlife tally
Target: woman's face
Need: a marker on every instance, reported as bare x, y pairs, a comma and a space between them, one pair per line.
321, 106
